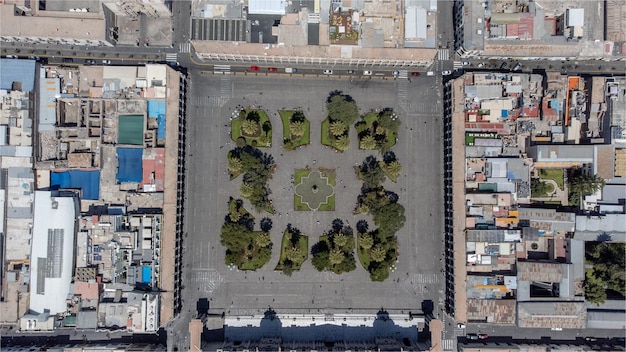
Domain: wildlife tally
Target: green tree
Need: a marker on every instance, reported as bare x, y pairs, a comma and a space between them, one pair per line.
393, 169
335, 256
337, 128
389, 219
340, 240
340, 109
250, 127
595, 291
379, 273
342, 143
538, 188
320, 261
234, 165
378, 253
389, 120
296, 129
368, 143
366, 240
246, 190
583, 185
263, 239
293, 254
234, 215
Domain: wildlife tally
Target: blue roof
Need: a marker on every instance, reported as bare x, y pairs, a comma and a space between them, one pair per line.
12, 70
86, 180
130, 168
156, 109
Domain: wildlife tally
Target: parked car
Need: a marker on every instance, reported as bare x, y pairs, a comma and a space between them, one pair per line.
272, 69
466, 63
471, 336
11, 57
328, 72
483, 336
504, 66
367, 73
446, 73
517, 67
395, 73
350, 72
255, 68
415, 74
106, 62
68, 60
290, 70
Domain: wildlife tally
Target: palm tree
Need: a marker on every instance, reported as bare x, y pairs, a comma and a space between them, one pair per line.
380, 130
340, 240
296, 129
263, 239
294, 254
393, 168
342, 143
366, 241
246, 189
337, 128
368, 143
234, 165
250, 127
378, 253
234, 215
335, 256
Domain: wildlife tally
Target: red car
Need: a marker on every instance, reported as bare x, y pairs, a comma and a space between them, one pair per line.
415, 74
254, 68
272, 69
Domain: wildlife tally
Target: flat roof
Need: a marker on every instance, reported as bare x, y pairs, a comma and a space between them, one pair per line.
12, 70
52, 258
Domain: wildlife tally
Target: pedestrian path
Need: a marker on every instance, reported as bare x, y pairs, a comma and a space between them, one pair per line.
443, 54
447, 345
171, 57
184, 48
458, 64
206, 280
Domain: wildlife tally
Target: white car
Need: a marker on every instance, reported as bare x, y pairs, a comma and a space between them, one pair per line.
367, 73
446, 73
395, 73
328, 72
466, 63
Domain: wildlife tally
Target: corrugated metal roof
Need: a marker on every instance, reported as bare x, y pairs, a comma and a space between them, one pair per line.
48, 90
415, 23
575, 17
12, 70
266, 7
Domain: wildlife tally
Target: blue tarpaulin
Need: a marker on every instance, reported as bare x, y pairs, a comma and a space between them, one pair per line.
86, 180
129, 167
156, 109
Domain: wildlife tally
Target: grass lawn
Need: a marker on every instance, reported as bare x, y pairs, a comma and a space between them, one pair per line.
553, 174
364, 257
327, 137
372, 117
298, 205
303, 244
285, 116
257, 261
255, 141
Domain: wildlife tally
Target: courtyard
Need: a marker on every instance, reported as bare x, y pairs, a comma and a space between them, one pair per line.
215, 100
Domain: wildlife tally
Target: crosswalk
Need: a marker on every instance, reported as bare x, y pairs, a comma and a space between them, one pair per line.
403, 74
447, 345
171, 57
184, 47
224, 69
443, 54
457, 64
206, 280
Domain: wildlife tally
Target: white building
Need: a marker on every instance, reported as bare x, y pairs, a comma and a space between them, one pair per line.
52, 255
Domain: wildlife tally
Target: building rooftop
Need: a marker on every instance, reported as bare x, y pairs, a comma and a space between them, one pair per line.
52, 260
